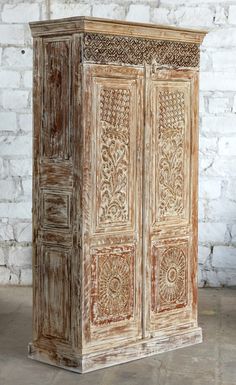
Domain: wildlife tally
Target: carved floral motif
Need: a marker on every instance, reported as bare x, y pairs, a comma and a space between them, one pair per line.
172, 275
171, 106
113, 287
114, 157
169, 277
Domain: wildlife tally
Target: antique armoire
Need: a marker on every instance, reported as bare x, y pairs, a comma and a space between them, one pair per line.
114, 191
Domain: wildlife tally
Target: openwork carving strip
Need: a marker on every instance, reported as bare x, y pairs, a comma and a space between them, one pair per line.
133, 50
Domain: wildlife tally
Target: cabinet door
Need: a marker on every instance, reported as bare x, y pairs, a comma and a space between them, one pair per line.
170, 220
112, 203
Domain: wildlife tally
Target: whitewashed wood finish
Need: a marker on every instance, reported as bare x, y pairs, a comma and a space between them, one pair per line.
115, 191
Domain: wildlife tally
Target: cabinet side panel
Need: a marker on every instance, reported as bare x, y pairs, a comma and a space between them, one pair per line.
54, 215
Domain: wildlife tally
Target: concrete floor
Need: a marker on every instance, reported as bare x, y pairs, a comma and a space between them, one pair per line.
211, 363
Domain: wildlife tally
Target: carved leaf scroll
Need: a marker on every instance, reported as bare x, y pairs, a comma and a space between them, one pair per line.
171, 139
114, 156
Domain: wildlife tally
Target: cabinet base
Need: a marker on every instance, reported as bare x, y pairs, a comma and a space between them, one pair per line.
119, 355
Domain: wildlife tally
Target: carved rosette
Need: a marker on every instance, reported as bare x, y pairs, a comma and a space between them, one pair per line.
107, 49
114, 156
170, 270
112, 284
171, 154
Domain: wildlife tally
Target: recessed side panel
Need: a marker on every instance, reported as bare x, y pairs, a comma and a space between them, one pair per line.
56, 99
56, 209
55, 293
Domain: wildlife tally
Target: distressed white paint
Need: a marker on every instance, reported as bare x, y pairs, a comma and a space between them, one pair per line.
217, 203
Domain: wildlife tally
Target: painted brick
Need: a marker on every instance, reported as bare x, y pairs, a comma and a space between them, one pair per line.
217, 81
2, 256
60, 9
15, 99
8, 121
16, 210
220, 16
218, 105
232, 14
223, 210
224, 257
209, 188
28, 79
7, 277
8, 190
208, 145
20, 256
224, 60
227, 146
11, 34
219, 124
194, 16
211, 232
220, 38
205, 61
6, 231
233, 233
17, 145
108, 11
13, 57
161, 16
138, 12
20, 13
25, 122
23, 231
231, 190
21, 167
9, 79
26, 277
203, 254
234, 104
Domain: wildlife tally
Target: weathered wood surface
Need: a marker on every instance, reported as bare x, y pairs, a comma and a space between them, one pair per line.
115, 193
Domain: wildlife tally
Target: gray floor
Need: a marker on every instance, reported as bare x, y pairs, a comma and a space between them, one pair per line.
212, 362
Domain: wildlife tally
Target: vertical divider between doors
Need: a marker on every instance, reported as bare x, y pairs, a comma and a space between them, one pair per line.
145, 198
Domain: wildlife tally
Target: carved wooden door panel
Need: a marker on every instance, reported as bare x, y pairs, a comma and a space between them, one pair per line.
170, 200
112, 202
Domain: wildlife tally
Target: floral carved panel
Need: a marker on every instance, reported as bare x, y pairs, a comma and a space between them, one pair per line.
114, 155
112, 277
171, 165
169, 276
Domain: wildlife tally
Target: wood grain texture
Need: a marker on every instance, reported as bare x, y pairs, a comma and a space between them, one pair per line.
115, 192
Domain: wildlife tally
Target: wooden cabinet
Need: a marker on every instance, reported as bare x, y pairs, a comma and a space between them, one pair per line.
115, 191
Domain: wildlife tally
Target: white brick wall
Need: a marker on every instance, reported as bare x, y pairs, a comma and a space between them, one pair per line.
217, 187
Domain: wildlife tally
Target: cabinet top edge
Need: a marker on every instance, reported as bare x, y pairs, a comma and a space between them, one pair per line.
80, 24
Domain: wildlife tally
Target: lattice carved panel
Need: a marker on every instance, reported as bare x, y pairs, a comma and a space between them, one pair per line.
169, 276
106, 49
112, 272
171, 166
113, 155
